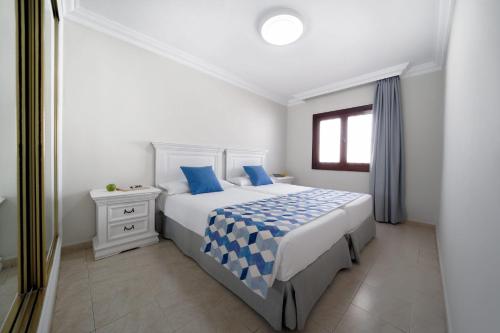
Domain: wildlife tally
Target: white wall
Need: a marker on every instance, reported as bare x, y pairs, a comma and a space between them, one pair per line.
299, 141
469, 228
118, 98
422, 98
8, 133
422, 109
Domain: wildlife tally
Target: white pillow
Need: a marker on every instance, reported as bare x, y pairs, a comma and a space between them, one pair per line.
225, 184
182, 186
241, 181
176, 187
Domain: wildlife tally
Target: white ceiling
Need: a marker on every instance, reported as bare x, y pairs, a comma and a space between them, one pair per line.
343, 40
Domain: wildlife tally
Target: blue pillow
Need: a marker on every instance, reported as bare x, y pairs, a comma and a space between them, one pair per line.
201, 179
258, 176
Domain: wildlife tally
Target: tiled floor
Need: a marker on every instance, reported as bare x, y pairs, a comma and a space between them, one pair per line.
8, 290
397, 288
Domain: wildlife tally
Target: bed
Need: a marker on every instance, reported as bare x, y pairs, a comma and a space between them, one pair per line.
360, 228
309, 257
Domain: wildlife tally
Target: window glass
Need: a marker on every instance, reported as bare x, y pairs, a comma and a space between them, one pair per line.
359, 137
329, 141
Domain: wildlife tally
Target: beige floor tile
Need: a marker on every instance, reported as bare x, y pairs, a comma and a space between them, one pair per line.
428, 314
326, 319
395, 288
208, 323
183, 314
333, 301
429, 306
386, 306
112, 300
73, 269
400, 280
429, 325
6, 301
244, 314
149, 319
343, 287
79, 255
8, 284
357, 320
122, 268
74, 318
311, 327
77, 292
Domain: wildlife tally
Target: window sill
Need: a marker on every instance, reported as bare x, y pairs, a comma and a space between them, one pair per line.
342, 167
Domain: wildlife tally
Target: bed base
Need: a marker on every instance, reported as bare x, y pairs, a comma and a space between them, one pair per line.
288, 303
360, 237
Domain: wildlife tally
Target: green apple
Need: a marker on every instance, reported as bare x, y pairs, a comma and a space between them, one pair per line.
111, 187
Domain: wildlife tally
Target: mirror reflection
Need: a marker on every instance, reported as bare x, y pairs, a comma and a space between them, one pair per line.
8, 158
49, 114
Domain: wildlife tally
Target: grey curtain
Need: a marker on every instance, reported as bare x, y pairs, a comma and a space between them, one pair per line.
387, 171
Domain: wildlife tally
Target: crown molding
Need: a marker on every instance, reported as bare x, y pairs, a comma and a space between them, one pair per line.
74, 12
444, 22
69, 5
97, 22
416, 70
349, 83
421, 69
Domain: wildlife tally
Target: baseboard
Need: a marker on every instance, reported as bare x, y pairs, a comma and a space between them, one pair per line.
443, 282
49, 300
76, 247
8, 263
420, 224
105, 250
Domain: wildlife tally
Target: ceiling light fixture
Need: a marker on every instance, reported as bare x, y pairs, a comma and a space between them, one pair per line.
283, 27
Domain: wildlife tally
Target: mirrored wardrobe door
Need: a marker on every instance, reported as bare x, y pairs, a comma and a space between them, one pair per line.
8, 159
49, 109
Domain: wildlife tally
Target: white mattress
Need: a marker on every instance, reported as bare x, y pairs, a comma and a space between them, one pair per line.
298, 249
357, 211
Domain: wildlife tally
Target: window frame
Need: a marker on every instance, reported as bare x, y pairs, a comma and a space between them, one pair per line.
343, 115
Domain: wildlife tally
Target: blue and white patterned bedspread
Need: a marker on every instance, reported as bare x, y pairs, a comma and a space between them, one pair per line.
244, 238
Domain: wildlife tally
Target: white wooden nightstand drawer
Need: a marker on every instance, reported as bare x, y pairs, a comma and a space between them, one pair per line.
124, 220
127, 211
128, 228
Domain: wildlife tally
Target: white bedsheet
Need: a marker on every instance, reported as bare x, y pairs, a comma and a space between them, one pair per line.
357, 211
297, 250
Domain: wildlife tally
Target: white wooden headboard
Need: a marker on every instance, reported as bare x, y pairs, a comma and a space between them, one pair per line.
237, 158
169, 157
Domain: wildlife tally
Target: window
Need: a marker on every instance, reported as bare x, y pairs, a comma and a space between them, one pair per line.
342, 139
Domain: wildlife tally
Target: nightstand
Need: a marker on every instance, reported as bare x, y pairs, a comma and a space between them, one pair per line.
124, 220
286, 179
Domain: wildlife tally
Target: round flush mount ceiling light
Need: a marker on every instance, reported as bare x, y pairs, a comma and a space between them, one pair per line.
282, 27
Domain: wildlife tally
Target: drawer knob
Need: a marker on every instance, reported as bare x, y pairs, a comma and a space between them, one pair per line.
129, 228
125, 211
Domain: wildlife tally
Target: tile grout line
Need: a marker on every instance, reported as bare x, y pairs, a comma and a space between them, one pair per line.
344, 312
90, 290
381, 319
427, 263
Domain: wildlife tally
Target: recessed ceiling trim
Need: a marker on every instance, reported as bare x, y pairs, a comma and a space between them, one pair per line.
74, 12
445, 18
90, 19
349, 83
422, 69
